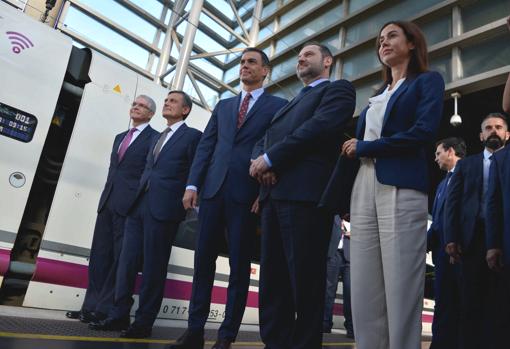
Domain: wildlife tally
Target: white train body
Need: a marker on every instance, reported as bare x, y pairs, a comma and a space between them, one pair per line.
56, 263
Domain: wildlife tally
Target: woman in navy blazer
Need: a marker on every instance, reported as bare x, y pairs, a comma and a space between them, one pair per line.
389, 198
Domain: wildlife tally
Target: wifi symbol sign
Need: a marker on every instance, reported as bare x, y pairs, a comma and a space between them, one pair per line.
19, 41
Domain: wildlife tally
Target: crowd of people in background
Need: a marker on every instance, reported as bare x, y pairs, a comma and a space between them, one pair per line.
286, 161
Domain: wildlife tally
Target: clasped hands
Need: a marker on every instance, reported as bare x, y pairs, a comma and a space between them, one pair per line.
261, 171
349, 148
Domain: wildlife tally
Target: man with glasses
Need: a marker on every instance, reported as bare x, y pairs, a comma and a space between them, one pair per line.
152, 223
127, 162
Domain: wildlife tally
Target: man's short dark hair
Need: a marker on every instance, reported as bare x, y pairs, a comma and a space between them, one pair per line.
456, 143
265, 59
325, 51
497, 116
188, 102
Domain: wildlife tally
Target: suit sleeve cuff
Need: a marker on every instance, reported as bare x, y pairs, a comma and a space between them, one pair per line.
268, 162
361, 148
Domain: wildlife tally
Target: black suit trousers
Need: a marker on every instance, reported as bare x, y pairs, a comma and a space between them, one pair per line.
220, 216
147, 243
477, 284
295, 242
104, 257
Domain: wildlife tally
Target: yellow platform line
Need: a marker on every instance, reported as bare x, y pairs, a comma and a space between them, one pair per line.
129, 340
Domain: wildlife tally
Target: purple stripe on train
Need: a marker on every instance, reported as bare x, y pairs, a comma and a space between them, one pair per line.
75, 275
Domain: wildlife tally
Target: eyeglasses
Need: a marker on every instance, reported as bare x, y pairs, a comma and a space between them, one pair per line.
139, 105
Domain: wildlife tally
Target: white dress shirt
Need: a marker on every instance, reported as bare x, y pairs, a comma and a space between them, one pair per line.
173, 129
255, 94
376, 110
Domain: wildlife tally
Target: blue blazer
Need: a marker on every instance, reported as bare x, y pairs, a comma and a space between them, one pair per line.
223, 154
304, 140
497, 220
164, 180
124, 176
410, 123
462, 207
435, 236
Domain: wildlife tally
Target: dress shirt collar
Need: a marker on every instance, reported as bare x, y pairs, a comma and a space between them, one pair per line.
486, 154
316, 82
175, 127
255, 94
142, 127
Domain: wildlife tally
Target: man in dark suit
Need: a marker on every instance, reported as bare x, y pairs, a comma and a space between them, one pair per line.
127, 162
229, 199
153, 221
497, 227
298, 154
446, 312
465, 233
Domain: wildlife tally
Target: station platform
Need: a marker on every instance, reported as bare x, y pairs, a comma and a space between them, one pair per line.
24, 328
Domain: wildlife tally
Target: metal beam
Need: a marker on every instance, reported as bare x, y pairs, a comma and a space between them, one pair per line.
239, 20
225, 26
216, 53
167, 43
197, 89
139, 11
114, 26
255, 26
187, 45
86, 42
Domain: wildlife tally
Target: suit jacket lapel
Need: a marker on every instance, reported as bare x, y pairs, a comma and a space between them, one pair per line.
361, 124
235, 112
142, 136
479, 173
178, 134
253, 109
295, 101
393, 99
116, 146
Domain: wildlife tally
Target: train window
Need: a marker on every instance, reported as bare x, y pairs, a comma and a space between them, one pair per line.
17, 124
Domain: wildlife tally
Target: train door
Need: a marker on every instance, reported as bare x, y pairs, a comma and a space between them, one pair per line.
33, 60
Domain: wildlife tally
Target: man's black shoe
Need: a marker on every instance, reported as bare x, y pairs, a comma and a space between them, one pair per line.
326, 329
222, 344
110, 324
136, 331
97, 316
189, 340
350, 334
74, 314
82, 315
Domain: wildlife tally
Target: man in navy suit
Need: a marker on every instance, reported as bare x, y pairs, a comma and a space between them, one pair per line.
298, 154
153, 221
228, 199
446, 313
127, 162
497, 227
465, 238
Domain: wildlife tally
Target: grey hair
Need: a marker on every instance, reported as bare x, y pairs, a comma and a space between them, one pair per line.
150, 102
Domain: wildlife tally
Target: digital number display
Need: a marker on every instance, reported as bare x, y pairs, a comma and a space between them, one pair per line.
17, 124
